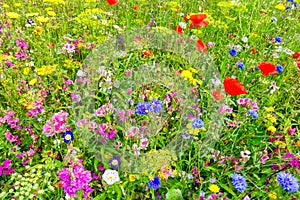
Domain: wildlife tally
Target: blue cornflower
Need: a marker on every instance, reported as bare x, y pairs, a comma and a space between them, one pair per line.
278, 39
279, 68
254, 115
142, 108
156, 105
68, 136
239, 182
232, 52
197, 123
288, 7
292, 1
251, 112
288, 182
115, 162
241, 66
155, 183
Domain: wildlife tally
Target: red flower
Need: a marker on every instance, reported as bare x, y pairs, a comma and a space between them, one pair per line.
218, 96
201, 46
267, 68
135, 7
50, 44
297, 55
298, 63
234, 87
198, 20
253, 50
178, 29
112, 2
147, 53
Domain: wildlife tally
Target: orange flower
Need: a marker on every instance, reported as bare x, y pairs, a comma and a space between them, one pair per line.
234, 87
147, 53
218, 96
178, 29
201, 46
267, 68
198, 20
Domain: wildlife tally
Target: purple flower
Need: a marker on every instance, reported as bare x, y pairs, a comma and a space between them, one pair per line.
239, 182
142, 108
232, 52
288, 182
197, 123
155, 183
115, 162
156, 105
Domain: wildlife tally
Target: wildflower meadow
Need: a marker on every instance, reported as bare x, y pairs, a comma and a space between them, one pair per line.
138, 99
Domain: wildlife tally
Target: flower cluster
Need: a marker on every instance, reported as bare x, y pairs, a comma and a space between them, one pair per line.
74, 179
239, 182
57, 124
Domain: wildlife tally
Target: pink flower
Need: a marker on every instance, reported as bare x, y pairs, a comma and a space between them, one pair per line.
264, 158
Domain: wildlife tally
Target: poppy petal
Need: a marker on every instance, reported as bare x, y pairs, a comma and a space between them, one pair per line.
267, 68
201, 46
234, 87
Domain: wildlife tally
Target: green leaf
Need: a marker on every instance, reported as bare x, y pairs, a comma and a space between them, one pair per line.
228, 189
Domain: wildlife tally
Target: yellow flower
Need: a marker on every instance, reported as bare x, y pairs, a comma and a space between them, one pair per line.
193, 131
272, 195
51, 13
26, 70
17, 4
272, 129
32, 14
280, 6
39, 30
33, 81
13, 15
175, 172
46, 70
5, 6
42, 19
270, 109
214, 188
271, 118
226, 4
131, 177
48, 9
280, 144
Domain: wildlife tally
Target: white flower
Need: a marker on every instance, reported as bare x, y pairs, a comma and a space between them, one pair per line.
182, 25
111, 176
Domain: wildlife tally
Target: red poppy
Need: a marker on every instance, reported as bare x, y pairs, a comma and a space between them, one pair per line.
147, 53
112, 2
298, 63
178, 29
218, 96
234, 87
135, 7
297, 55
267, 68
201, 46
198, 20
